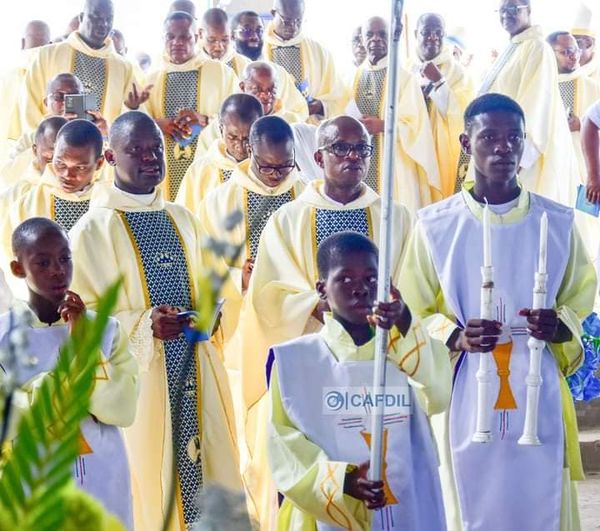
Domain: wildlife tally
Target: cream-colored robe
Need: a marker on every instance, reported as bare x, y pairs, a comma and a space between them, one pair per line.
587, 92
227, 198
416, 173
421, 290
446, 113
204, 175
592, 69
59, 58
278, 306
318, 68
216, 81
23, 168
103, 252
27, 201
549, 166
300, 467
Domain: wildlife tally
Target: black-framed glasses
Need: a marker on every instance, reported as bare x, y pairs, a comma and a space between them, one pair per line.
511, 10
289, 21
279, 170
343, 149
248, 32
568, 52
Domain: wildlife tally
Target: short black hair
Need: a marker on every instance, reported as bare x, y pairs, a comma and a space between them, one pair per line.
272, 130
31, 230
122, 126
51, 124
180, 15
552, 39
235, 20
214, 17
245, 106
342, 243
491, 102
82, 133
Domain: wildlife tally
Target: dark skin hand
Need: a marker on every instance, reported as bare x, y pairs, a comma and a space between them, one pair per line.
171, 128
247, 273
135, 98
373, 124
546, 326
72, 308
358, 486
388, 314
480, 335
574, 122
165, 323
319, 310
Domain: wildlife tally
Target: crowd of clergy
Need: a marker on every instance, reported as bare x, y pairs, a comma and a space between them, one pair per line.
242, 158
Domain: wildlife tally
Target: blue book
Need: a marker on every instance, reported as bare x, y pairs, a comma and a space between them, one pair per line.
584, 205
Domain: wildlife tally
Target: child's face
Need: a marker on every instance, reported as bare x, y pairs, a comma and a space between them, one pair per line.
351, 286
46, 266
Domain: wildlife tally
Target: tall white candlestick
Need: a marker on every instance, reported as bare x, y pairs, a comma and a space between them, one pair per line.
487, 237
543, 244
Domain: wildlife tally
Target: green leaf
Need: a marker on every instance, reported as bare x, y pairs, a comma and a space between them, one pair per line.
47, 437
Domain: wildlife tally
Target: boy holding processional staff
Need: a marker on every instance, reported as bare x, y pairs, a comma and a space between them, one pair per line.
503, 469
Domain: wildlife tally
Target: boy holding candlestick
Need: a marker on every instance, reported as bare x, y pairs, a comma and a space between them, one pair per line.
529, 487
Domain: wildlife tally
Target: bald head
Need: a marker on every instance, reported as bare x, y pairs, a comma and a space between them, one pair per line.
375, 38
287, 18
243, 107
96, 22
215, 17
45, 140
260, 79
129, 123
214, 33
430, 33
330, 130
187, 6
36, 34
34, 230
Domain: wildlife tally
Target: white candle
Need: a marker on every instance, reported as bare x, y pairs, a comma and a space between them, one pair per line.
543, 244
487, 237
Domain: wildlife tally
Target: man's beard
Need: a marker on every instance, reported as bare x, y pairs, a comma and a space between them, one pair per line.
250, 52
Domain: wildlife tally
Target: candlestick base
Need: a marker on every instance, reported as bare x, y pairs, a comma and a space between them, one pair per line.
482, 437
529, 440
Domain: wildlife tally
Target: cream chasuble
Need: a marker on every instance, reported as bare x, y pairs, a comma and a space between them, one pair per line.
311, 66
446, 106
416, 174
578, 93
290, 104
526, 72
422, 290
21, 169
204, 175
101, 469
199, 85
103, 73
281, 298
244, 193
42, 199
310, 446
592, 69
155, 247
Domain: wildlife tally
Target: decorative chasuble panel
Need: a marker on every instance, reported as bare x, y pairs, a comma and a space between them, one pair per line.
181, 92
67, 213
91, 71
369, 95
567, 93
162, 259
328, 222
259, 208
225, 175
290, 58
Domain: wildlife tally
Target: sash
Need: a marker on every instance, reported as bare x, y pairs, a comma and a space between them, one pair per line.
165, 274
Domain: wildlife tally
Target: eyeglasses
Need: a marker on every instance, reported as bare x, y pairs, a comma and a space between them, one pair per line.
510, 10
279, 170
256, 91
343, 149
289, 21
427, 34
568, 52
58, 97
248, 32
